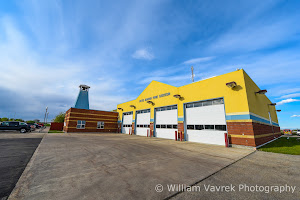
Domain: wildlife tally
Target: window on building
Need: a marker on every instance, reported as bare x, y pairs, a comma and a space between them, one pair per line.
80, 124
198, 104
163, 126
207, 103
210, 127
157, 126
175, 126
191, 127
169, 126
199, 127
220, 127
190, 105
218, 101
100, 125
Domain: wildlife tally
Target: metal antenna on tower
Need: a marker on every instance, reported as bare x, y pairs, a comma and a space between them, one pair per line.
193, 75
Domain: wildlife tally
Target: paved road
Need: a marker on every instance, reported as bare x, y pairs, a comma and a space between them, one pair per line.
116, 166
259, 168
15, 152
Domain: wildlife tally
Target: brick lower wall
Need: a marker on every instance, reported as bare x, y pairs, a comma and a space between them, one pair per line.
151, 128
251, 133
91, 117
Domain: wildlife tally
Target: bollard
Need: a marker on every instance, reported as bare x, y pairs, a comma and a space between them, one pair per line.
176, 136
226, 140
181, 136
147, 132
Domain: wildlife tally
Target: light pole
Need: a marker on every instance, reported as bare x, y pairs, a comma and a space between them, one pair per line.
47, 117
45, 114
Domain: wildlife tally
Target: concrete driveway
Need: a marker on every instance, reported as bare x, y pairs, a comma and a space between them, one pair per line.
263, 169
117, 166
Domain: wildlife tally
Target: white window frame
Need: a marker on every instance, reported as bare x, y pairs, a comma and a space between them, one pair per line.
81, 123
100, 125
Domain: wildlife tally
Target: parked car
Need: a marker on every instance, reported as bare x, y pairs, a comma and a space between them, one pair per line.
15, 126
287, 131
41, 125
32, 126
298, 132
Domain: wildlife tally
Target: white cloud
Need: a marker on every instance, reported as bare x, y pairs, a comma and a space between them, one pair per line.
198, 60
295, 116
143, 54
290, 96
286, 101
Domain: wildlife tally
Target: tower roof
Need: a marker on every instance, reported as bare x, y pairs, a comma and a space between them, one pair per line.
83, 97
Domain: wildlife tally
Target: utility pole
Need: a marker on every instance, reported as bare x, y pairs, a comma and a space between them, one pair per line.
45, 114
193, 75
47, 117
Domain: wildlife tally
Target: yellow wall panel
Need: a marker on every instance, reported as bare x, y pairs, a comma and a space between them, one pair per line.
258, 103
235, 99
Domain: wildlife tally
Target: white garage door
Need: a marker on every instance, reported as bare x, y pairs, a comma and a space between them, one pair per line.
142, 122
127, 122
205, 122
166, 122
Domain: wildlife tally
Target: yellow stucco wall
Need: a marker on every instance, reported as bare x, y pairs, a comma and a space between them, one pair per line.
258, 103
235, 99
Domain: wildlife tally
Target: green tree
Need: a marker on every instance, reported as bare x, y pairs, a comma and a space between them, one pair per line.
60, 117
4, 119
30, 121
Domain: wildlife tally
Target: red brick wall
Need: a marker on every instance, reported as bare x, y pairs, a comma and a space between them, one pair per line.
250, 129
132, 128
180, 127
260, 141
56, 126
151, 128
91, 117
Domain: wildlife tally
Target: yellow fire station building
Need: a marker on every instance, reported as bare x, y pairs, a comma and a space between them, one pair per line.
207, 111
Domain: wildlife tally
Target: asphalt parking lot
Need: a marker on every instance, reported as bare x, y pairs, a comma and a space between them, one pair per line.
117, 166
15, 152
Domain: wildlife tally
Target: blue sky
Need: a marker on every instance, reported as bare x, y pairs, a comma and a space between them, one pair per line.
48, 48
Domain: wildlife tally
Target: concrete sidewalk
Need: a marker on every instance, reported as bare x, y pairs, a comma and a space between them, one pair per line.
116, 166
